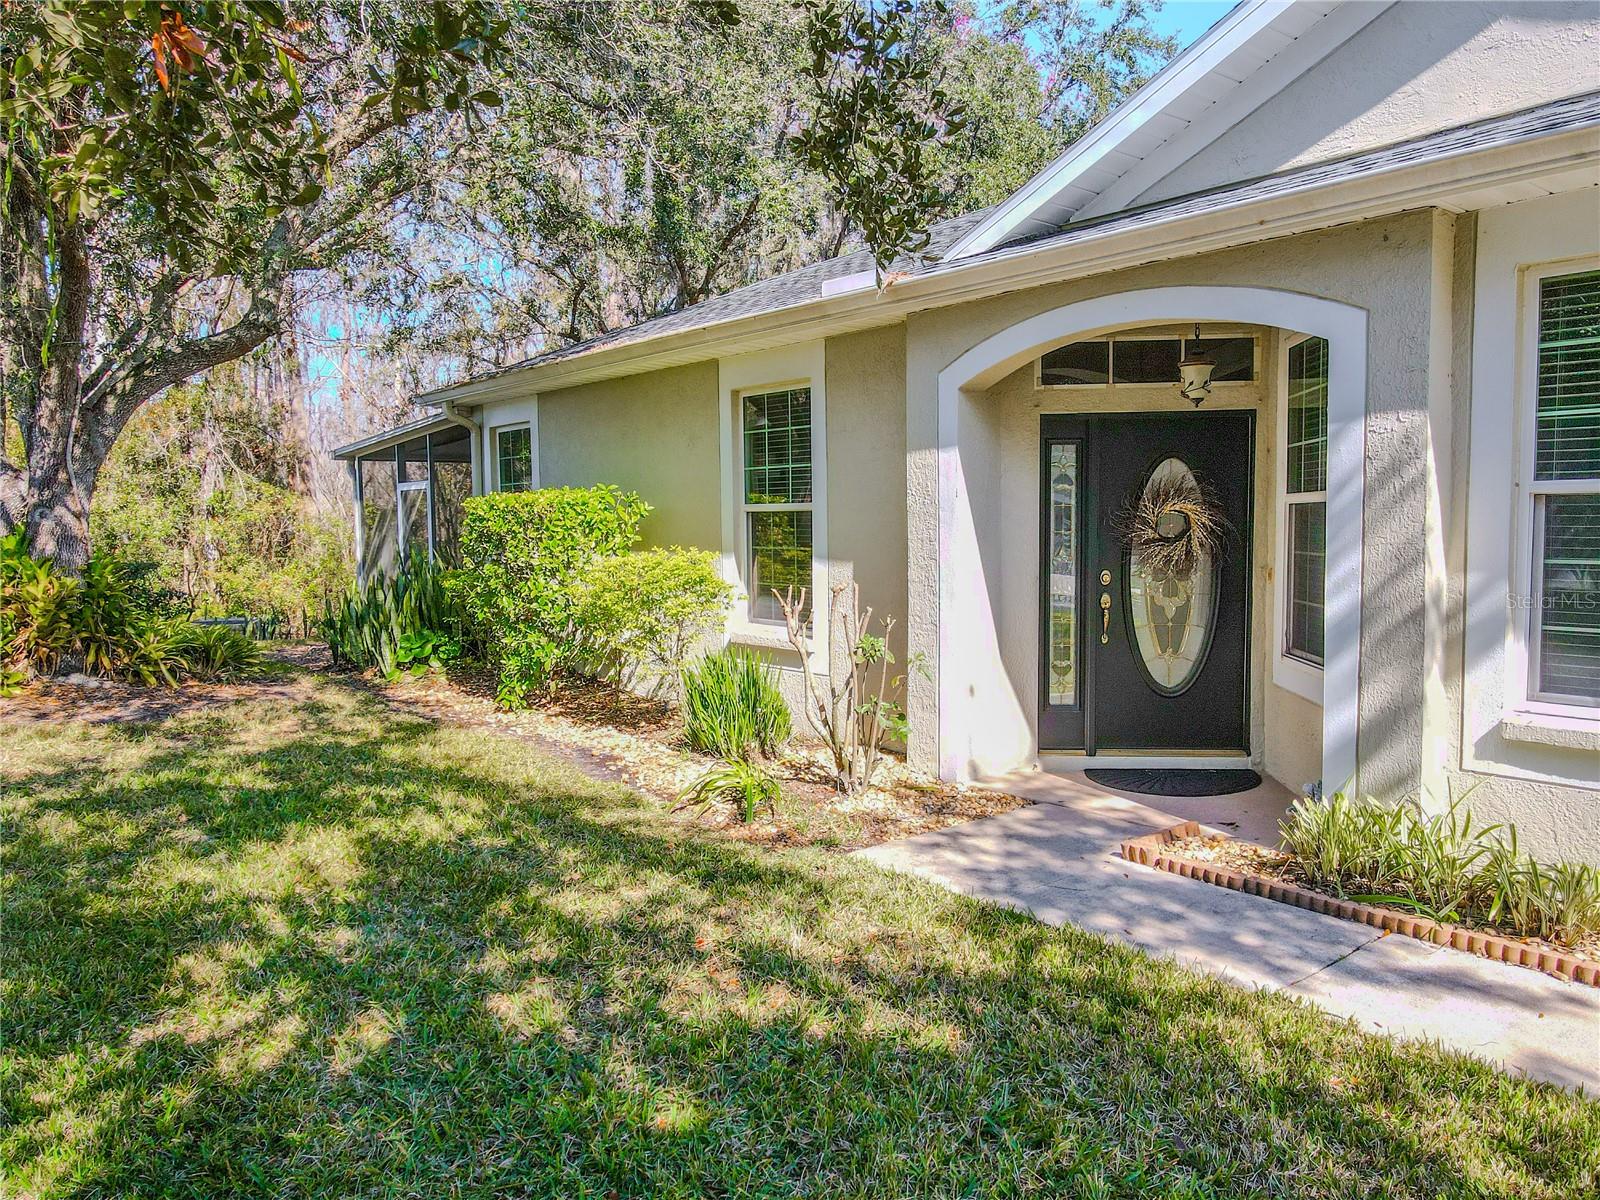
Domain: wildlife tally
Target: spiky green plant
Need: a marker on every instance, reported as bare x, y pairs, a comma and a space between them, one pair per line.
1441, 865
732, 706
749, 786
364, 628
218, 652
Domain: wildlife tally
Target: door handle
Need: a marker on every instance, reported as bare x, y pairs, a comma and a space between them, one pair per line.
1105, 617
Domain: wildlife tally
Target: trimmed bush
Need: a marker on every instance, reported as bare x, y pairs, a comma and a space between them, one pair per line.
732, 706
645, 611
521, 557
521, 552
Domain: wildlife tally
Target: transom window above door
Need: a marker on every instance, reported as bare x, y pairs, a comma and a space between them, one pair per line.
1143, 360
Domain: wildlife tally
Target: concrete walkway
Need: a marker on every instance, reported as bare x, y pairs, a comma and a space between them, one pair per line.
1059, 860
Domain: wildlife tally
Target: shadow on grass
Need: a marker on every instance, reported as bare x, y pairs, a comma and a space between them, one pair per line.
322, 950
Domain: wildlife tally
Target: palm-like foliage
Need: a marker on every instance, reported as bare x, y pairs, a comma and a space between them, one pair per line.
1439, 864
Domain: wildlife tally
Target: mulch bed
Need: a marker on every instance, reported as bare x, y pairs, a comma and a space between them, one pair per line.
638, 741
1247, 867
109, 701
613, 736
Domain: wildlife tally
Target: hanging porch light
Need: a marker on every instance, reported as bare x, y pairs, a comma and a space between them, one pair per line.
1194, 371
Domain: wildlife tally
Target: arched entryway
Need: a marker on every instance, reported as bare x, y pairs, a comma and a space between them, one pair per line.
982, 723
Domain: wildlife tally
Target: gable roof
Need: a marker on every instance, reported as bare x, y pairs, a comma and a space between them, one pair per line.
1237, 65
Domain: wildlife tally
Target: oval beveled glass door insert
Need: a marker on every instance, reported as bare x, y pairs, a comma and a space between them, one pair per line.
1171, 612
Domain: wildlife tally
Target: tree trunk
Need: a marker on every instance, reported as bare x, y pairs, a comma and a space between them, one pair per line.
58, 521
13, 496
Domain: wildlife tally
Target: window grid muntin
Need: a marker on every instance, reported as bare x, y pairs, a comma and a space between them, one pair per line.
513, 447
1307, 401
777, 446
777, 468
1305, 501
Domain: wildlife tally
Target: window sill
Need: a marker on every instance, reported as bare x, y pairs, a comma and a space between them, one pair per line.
1551, 725
1301, 678
772, 637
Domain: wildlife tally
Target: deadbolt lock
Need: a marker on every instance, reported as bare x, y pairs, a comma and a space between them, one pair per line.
1105, 578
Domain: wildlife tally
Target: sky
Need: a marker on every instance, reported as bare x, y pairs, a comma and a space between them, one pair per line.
1186, 20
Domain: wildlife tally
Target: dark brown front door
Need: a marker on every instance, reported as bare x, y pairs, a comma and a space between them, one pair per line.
1144, 627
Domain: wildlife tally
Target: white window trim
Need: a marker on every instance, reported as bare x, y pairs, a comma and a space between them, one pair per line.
1111, 386
1289, 671
1524, 701
494, 453
1556, 233
802, 365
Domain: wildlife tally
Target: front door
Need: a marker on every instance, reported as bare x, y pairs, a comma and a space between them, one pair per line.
1145, 599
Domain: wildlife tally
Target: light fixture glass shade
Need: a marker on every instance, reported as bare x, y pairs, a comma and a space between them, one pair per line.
1195, 372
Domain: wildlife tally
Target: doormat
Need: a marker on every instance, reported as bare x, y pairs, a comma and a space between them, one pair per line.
1149, 781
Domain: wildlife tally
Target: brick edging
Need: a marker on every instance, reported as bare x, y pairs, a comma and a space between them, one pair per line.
1148, 851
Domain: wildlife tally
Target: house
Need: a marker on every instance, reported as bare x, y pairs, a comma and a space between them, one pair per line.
1374, 226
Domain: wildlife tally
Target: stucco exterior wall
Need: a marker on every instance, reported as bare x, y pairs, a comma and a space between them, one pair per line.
655, 434
867, 469
1417, 68
1384, 267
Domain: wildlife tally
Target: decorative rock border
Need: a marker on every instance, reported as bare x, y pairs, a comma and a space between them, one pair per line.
1148, 851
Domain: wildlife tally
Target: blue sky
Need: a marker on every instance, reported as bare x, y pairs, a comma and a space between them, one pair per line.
1188, 19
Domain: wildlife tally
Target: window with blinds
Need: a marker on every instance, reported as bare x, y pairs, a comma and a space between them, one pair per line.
777, 498
1564, 637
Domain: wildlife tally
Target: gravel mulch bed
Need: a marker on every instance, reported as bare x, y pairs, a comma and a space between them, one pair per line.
639, 742
1276, 865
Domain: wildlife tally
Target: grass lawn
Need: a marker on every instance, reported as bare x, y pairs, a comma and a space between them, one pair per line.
307, 947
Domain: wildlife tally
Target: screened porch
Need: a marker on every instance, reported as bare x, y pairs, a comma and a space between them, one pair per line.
409, 485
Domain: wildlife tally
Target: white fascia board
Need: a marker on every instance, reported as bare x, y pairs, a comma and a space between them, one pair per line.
1564, 160
1307, 50
1171, 82
393, 437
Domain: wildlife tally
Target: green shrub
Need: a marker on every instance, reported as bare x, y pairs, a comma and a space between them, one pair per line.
745, 784
108, 623
732, 706
218, 652
521, 556
648, 609
522, 551
425, 649
154, 651
1440, 865
41, 608
527, 663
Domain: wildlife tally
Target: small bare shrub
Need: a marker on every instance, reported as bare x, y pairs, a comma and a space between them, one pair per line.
846, 709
